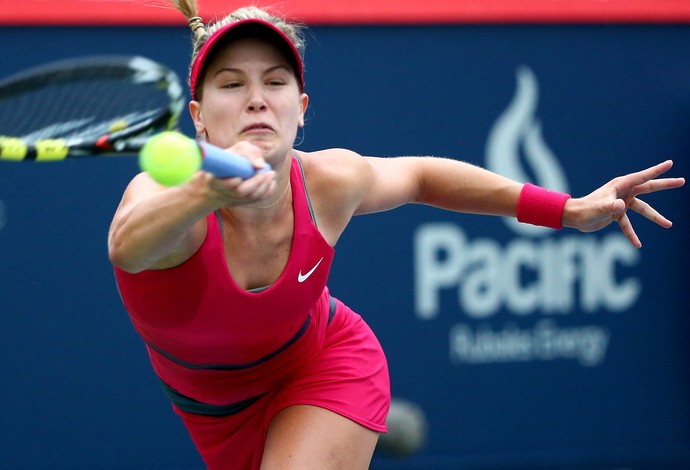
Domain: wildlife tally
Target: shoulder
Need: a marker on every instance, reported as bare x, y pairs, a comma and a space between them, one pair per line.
337, 181
335, 163
337, 174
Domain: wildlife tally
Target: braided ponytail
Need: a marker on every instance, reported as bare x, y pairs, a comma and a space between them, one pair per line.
190, 10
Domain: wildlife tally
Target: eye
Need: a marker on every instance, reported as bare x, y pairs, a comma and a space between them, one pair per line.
276, 82
228, 80
231, 84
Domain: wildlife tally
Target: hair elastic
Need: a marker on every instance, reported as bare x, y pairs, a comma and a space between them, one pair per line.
195, 22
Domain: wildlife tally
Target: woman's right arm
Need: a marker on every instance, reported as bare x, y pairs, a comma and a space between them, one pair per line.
157, 227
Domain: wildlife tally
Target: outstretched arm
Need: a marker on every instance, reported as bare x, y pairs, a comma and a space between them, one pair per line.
611, 202
458, 186
374, 184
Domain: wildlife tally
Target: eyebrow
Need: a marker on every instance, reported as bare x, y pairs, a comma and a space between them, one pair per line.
265, 72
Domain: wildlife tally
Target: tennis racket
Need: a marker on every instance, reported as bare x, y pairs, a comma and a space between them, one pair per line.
94, 106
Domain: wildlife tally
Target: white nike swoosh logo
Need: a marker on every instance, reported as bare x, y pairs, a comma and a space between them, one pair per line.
303, 277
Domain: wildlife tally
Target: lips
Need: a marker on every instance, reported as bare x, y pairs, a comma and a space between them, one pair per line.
257, 127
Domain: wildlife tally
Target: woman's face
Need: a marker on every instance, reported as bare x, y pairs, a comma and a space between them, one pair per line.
250, 93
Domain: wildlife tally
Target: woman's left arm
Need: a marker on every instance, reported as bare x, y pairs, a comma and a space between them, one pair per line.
463, 187
440, 182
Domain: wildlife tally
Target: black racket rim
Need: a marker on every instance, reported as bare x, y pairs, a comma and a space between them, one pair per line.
137, 71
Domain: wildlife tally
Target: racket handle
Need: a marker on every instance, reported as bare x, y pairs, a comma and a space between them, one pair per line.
224, 164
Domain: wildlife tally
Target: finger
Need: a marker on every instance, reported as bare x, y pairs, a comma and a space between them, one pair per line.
617, 207
628, 231
230, 184
650, 213
638, 178
258, 163
658, 185
251, 152
262, 192
255, 187
266, 188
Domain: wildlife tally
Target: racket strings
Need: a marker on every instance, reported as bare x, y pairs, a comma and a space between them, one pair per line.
86, 106
83, 109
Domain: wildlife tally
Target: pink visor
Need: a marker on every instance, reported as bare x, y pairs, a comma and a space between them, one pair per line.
240, 29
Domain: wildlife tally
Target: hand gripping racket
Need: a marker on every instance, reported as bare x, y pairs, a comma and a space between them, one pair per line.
92, 106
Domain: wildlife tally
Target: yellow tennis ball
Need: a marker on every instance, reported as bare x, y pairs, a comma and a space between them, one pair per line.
170, 158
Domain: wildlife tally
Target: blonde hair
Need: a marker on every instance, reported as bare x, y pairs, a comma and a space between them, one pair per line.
201, 31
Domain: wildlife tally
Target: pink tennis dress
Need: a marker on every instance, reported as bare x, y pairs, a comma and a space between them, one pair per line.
230, 359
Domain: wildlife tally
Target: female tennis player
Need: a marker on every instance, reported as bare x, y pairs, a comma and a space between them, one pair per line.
225, 279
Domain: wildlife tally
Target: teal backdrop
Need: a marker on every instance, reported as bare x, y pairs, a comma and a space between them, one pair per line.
525, 348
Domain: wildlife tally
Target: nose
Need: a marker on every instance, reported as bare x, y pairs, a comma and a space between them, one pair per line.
256, 101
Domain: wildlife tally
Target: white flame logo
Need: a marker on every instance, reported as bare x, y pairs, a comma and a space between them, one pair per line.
516, 128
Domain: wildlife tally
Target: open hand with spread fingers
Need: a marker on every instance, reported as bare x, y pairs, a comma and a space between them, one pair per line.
611, 202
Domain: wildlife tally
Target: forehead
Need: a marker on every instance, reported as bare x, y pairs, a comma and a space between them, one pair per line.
248, 51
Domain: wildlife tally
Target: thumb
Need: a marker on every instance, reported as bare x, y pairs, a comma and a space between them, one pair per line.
618, 206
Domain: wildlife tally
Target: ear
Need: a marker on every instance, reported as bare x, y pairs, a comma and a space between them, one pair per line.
304, 103
197, 117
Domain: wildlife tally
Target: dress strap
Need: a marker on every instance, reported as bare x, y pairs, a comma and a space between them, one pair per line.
304, 185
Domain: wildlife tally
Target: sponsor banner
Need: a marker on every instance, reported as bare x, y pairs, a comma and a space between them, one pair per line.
537, 278
107, 12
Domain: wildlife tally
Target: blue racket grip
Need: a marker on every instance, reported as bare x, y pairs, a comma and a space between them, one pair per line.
224, 164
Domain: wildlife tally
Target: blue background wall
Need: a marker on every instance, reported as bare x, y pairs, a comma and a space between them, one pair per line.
506, 380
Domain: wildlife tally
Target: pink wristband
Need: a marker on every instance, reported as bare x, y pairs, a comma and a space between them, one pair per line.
540, 206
